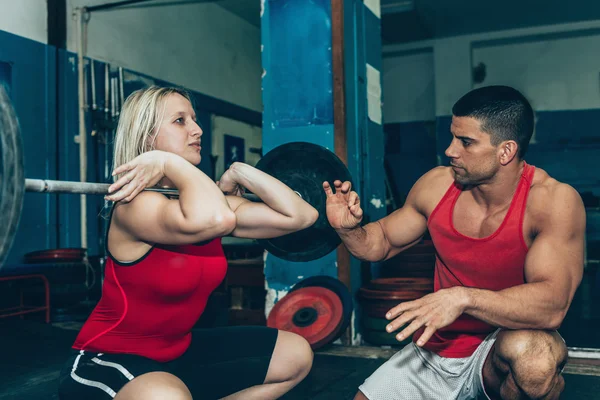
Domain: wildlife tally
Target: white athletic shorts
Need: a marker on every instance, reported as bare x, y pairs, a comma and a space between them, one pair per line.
415, 373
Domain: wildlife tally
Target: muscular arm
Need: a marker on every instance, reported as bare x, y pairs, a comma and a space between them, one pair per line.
553, 271
281, 211
385, 238
201, 213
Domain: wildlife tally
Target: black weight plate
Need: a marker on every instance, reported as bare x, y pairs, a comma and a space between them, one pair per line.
380, 338
12, 180
338, 288
374, 324
304, 167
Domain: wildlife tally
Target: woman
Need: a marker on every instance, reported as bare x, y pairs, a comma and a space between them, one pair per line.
164, 260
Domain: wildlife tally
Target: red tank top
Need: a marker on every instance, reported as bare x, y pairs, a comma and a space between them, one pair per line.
495, 262
149, 307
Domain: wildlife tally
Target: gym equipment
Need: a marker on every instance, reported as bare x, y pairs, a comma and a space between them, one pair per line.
315, 313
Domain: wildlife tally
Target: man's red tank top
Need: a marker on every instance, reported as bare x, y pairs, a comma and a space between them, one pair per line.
148, 307
495, 262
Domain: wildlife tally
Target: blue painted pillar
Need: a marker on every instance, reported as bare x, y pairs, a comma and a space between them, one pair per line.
298, 99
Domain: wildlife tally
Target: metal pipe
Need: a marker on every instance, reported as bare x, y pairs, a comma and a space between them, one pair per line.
113, 98
121, 89
93, 79
80, 13
106, 88
73, 187
113, 5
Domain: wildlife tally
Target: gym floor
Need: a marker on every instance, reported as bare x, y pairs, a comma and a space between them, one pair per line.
32, 354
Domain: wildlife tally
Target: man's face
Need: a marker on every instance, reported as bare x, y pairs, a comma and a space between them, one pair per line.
473, 158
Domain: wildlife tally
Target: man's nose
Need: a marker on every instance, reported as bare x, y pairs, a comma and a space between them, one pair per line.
451, 150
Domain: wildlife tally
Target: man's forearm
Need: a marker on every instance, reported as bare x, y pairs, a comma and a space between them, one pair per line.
364, 242
527, 306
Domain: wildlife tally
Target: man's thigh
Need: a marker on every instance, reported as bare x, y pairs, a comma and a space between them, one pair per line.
417, 373
414, 373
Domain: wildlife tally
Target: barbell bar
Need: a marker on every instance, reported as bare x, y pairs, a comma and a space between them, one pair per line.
74, 187
301, 166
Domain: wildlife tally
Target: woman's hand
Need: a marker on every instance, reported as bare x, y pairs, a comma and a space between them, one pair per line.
229, 184
144, 171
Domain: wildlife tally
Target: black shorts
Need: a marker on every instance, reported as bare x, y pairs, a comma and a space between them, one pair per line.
219, 362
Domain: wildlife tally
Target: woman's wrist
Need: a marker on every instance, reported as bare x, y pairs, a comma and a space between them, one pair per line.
238, 172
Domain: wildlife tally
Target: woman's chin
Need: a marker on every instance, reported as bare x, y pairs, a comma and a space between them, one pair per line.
195, 160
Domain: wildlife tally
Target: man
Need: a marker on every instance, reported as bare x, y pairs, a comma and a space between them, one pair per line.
509, 245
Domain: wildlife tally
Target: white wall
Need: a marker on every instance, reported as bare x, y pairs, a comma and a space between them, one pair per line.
409, 88
200, 46
27, 18
562, 74
555, 74
224, 126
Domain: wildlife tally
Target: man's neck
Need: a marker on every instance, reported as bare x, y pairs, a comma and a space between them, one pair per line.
499, 192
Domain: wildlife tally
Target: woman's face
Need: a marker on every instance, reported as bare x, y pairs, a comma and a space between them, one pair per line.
178, 131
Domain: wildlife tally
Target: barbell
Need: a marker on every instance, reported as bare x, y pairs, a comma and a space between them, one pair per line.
301, 166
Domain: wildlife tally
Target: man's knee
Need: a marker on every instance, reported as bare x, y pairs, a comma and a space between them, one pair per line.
536, 359
360, 396
155, 386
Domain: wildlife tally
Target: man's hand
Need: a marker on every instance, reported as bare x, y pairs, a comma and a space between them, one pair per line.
434, 311
229, 182
343, 206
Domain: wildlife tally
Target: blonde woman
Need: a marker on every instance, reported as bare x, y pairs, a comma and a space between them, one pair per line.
164, 260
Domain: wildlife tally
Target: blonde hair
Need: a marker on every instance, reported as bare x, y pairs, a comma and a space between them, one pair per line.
140, 118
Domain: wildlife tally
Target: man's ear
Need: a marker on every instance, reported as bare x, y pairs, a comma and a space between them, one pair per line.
508, 151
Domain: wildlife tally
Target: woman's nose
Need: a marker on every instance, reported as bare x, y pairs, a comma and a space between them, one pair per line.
196, 130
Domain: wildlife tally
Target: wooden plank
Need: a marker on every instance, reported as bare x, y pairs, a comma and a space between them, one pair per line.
339, 120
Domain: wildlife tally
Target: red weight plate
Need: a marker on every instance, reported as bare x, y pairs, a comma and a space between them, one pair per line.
315, 313
53, 252
55, 255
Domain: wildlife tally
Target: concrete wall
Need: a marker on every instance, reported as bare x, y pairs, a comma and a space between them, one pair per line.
409, 86
26, 18
557, 74
200, 46
556, 66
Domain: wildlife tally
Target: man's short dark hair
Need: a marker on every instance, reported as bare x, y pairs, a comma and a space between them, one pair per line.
503, 112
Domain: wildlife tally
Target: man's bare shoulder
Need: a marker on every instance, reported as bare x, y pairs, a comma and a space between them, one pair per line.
548, 197
430, 188
437, 176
